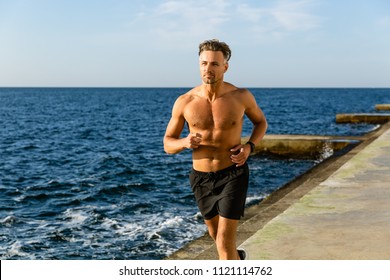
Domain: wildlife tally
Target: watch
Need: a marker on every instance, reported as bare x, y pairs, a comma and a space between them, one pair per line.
252, 145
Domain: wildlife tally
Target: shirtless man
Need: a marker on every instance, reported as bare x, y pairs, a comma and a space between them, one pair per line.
214, 113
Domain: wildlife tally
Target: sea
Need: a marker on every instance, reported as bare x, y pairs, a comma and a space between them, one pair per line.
83, 173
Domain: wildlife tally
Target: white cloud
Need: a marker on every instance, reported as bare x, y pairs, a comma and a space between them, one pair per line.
294, 15
190, 21
183, 19
211, 12
207, 16
281, 18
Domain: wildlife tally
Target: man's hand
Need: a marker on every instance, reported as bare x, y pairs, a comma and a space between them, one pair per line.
192, 141
240, 154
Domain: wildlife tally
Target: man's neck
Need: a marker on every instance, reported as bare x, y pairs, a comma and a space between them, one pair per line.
212, 91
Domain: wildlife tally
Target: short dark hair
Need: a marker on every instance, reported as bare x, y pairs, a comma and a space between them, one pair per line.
215, 45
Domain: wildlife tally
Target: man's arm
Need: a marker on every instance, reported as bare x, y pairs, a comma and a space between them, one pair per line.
173, 144
256, 116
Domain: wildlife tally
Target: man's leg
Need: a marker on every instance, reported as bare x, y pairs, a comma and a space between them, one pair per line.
212, 226
226, 239
224, 233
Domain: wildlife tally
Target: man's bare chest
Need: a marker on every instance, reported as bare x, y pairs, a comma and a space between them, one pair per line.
222, 115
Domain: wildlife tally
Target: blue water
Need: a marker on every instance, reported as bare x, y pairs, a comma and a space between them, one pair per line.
83, 174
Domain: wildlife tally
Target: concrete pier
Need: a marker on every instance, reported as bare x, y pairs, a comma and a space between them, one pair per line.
302, 146
336, 210
344, 217
382, 107
363, 118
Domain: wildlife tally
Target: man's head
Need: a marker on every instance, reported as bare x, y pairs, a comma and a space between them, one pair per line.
215, 45
213, 60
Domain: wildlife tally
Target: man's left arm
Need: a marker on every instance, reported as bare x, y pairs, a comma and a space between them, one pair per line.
256, 116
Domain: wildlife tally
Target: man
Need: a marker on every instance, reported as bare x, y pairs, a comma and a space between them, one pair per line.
214, 113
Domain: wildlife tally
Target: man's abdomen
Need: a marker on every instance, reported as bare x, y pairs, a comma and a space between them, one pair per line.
211, 159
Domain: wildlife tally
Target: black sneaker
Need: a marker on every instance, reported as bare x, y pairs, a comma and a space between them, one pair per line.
242, 254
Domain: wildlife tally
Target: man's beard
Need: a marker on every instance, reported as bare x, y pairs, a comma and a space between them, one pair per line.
209, 81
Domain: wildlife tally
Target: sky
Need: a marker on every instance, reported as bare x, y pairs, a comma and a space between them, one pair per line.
117, 43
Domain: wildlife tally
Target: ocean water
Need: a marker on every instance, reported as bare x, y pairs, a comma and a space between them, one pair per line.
83, 174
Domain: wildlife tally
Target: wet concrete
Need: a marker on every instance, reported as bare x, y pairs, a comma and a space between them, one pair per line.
363, 118
336, 210
302, 146
382, 107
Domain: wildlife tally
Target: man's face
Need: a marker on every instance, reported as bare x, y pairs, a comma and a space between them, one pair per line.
212, 66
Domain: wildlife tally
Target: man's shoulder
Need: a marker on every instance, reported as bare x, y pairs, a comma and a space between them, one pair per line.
185, 98
239, 92
234, 89
242, 96
188, 96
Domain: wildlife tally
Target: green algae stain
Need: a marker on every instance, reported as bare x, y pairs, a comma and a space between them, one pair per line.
271, 232
267, 237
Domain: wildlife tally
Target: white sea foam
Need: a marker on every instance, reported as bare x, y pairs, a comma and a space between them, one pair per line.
254, 198
19, 198
130, 230
327, 151
173, 222
375, 127
109, 223
16, 250
256, 167
76, 216
8, 221
159, 227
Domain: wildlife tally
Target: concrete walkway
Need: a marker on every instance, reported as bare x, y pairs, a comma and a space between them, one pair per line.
345, 216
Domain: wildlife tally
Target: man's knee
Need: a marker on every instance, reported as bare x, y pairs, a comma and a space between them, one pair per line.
222, 243
212, 226
213, 233
225, 240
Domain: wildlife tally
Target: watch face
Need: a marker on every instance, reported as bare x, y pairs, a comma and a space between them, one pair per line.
252, 146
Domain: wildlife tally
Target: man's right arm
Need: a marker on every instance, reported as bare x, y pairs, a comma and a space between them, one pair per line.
173, 144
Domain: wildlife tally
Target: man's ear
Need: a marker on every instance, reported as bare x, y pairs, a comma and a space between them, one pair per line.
226, 66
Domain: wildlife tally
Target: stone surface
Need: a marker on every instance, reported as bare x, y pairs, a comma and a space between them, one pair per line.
363, 118
346, 216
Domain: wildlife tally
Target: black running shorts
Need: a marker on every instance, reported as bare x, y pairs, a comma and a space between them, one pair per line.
221, 193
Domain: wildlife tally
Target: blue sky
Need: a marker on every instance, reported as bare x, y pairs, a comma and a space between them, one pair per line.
275, 43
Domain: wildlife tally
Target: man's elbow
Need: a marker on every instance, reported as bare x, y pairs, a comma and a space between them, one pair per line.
265, 124
171, 151
167, 148
168, 151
